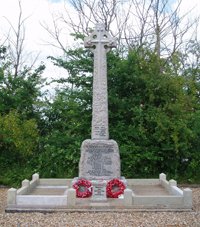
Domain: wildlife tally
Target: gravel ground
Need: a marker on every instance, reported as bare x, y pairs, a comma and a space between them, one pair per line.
139, 219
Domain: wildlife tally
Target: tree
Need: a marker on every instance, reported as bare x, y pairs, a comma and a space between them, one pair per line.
20, 136
149, 115
20, 93
15, 45
20, 107
149, 110
67, 125
20, 83
135, 23
68, 116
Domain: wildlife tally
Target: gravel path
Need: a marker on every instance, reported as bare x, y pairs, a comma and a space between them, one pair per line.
132, 219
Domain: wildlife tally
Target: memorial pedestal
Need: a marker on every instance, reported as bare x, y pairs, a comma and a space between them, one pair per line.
100, 160
99, 190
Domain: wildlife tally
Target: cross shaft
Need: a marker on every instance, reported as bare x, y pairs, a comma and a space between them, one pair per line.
100, 42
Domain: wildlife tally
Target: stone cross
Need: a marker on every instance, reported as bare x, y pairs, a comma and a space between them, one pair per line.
100, 43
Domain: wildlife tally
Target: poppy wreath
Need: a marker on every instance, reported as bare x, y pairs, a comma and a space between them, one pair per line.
83, 188
114, 188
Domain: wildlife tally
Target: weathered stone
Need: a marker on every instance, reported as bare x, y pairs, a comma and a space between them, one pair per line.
11, 196
99, 159
128, 197
71, 197
162, 176
172, 182
100, 42
99, 156
26, 183
99, 190
187, 197
35, 176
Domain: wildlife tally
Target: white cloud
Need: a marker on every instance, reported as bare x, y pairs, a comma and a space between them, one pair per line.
193, 5
192, 10
36, 37
36, 12
41, 11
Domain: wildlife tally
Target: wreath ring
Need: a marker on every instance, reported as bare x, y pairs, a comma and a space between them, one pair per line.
83, 188
114, 188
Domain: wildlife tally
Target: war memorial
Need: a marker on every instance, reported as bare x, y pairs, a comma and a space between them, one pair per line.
99, 186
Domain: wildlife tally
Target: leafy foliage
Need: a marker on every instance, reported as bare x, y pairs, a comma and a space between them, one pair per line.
149, 109
154, 115
18, 135
19, 118
68, 124
19, 92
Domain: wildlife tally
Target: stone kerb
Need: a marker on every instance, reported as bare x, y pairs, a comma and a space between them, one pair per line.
25, 187
176, 191
173, 189
34, 182
187, 198
28, 186
128, 197
170, 186
11, 196
164, 182
162, 177
158, 201
71, 197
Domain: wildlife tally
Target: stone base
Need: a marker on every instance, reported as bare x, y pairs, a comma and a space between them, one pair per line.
50, 195
99, 188
100, 160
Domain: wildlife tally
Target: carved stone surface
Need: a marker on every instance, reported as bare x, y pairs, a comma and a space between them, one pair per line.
100, 43
99, 190
99, 159
99, 156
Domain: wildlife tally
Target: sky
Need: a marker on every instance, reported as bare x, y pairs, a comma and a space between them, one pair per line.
37, 39
40, 12
36, 12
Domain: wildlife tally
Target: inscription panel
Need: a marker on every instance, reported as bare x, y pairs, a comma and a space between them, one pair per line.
99, 190
99, 159
99, 132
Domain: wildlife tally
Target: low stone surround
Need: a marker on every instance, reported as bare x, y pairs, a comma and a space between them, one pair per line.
58, 194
